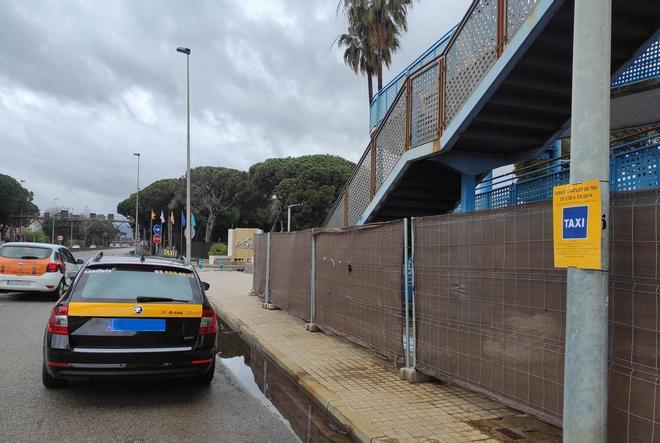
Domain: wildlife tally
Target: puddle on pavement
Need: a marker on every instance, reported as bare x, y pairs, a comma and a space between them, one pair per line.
263, 379
519, 429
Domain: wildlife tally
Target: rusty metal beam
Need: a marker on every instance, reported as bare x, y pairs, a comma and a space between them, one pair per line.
408, 113
501, 26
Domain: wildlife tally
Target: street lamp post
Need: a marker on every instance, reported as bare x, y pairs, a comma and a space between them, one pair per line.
288, 217
137, 200
52, 216
20, 235
188, 224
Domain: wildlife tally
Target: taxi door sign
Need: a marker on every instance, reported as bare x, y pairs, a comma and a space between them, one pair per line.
576, 213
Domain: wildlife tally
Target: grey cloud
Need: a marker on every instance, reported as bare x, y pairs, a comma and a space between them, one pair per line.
105, 81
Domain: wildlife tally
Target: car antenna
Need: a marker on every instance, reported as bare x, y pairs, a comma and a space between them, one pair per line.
99, 256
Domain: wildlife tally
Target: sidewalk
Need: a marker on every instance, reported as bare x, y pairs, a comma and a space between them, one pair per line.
361, 391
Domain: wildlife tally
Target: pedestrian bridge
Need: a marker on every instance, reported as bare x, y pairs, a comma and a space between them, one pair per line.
498, 91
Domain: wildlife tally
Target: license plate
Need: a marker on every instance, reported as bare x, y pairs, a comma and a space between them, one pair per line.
136, 325
17, 283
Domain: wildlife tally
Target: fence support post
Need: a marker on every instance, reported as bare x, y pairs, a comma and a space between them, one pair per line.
406, 294
311, 326
267, 297
409, 373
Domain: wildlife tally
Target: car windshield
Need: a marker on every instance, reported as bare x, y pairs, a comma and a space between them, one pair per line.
24, 252
133, 283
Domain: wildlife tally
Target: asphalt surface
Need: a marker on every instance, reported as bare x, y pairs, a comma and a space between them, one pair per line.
116, 411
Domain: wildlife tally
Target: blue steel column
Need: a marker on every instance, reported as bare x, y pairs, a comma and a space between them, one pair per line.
468, 188
555, 152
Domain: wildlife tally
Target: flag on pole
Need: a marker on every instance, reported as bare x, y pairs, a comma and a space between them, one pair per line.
162, 217
171, 220
153, 215
183, 219
193, 223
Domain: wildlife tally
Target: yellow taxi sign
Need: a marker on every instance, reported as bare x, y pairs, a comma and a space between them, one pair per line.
137, 310
576, 214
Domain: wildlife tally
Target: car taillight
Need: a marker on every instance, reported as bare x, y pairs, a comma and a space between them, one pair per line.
59, 320
208, 324
53, 267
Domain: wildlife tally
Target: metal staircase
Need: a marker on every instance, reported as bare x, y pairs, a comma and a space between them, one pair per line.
498, 93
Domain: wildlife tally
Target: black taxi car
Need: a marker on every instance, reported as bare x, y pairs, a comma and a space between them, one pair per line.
128, 317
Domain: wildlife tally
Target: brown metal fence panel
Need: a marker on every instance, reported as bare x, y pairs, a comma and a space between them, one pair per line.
359, 285
290, 271
634, 295
259, 274
490, 304
491, 308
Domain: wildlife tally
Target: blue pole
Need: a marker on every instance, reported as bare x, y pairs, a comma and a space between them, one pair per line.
468, 188
555, 152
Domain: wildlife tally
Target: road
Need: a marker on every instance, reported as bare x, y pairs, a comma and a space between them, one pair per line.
113, 411
89, 253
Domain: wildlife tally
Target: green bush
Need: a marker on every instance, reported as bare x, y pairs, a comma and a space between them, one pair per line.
36, 237
218, 249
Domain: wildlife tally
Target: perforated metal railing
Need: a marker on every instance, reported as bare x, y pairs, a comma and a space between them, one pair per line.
383, 99
646, 66
424, 106
415, 107
391, 140
470, 55
634, 165
359, 189
516, 14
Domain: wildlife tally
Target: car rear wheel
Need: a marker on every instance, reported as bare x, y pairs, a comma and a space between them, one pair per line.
49, 381
57, 293
207, 377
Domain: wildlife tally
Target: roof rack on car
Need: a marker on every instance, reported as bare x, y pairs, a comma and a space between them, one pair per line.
99, 256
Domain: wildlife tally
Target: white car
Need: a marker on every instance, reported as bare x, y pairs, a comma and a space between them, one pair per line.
75, 247
92, 246
40, 267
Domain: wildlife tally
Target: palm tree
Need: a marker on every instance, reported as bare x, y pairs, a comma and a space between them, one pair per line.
386, 19
374, 27
359, 55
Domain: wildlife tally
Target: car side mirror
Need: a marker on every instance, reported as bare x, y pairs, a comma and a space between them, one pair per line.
205, 285
80, 262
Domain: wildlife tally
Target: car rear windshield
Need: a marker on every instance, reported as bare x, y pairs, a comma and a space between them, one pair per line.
128, 283
25, 252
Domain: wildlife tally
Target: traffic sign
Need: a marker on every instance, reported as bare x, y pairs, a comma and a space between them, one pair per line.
192, 232
156, 229
156, 239
60, 238
577, 225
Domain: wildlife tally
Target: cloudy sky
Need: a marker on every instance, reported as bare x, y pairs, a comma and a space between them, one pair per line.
84, 84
